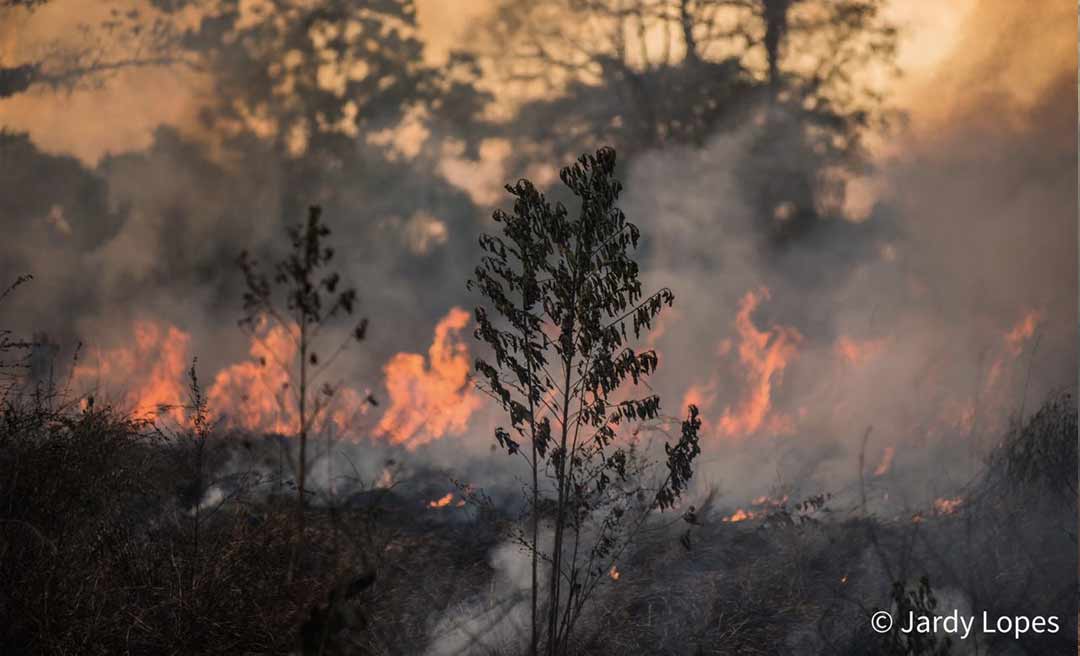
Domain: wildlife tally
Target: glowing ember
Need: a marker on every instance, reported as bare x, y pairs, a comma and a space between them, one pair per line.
614, 573
945, 506
152, 371
442, 502
431, 399
886, 462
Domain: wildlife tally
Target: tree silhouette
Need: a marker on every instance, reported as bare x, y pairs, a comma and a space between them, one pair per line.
643, 75
302, 297
565, 295
94, 52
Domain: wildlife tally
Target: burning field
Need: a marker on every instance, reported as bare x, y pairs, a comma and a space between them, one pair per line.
774, 328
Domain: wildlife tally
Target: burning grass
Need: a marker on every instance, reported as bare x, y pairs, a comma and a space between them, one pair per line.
102, 554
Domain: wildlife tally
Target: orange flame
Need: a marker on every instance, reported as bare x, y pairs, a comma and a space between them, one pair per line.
739, 516
886, 462
614, 573
442, 502
258, 394
152, 370
431, 399
764, 356
1022, 331
255, 395
944, 506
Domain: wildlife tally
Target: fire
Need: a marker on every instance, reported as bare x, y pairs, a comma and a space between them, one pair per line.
857, 352
431, 399
739, 516
886, 462
255, 395
152, 369
614, 573
1022, 331
258, 394
442, 502
764, 356
945, 506
765, 503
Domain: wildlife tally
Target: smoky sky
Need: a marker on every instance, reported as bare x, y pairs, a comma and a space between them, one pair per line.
972, 228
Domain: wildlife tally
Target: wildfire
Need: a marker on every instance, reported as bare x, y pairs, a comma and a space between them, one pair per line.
442, 502
739, 515
944, 506
255, 395
431, 399
258, 394
764, 504
764, 356
886, 462
152, 370
1022, 331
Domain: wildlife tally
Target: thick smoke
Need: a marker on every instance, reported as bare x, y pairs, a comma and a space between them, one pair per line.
899, 320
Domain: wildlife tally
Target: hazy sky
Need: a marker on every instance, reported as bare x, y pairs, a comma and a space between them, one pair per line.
992, 44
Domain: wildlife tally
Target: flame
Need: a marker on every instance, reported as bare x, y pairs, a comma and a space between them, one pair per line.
857, 352
255, 395
764, 356
152, 369
431, 399
886, 462
764, 502
258, 394
614, 573
1022, 331
739, 516
945, 506
442, 502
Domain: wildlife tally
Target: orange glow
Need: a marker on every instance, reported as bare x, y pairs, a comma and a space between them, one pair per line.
614, 573
764, 355
1022, 332
152, 371
945, 506
738, 516
433, 398
255, 395
258, 395
442, 502
886, 462
857, 352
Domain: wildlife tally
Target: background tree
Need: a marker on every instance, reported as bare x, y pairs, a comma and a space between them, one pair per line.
804, 75
565, 295
93, 53
302, 297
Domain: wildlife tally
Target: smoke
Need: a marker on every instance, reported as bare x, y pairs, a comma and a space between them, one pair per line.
495, 622
945, 307
895, 316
